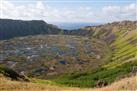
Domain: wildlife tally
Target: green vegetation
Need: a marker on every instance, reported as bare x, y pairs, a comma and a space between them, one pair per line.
75, 61
9, 72
61, 32
121, 64
89, 79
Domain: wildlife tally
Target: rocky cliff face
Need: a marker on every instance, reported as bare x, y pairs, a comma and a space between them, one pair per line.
17, 28
108, 32
120, 36
85, 56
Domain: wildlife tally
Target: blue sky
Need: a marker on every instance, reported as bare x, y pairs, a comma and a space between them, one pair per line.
95, 11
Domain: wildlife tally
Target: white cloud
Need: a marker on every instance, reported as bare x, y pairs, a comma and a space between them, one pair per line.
29, 11
111, 10
120, 12
130, 9
40, 10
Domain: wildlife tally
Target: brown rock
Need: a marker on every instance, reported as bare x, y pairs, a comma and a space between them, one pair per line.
101, 84
134, 70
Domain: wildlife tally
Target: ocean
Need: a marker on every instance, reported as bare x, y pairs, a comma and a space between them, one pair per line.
71, 26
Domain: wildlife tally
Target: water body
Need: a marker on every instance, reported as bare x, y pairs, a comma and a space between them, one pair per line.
71, 26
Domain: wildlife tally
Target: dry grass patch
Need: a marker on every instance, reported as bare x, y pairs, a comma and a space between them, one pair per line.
127, 84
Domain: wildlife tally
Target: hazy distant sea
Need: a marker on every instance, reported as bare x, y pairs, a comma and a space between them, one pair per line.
71, 26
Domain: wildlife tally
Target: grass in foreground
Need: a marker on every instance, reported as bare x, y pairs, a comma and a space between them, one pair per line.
89, 79
6, 84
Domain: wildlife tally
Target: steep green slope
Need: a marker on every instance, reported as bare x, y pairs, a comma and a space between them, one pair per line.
90, 79
122, 40
107, 52
124, 48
